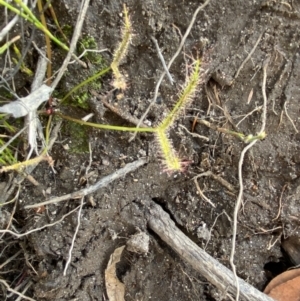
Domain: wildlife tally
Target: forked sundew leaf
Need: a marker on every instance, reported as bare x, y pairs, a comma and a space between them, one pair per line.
115, 289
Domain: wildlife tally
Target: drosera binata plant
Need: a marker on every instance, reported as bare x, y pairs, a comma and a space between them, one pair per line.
170, 159
168, 153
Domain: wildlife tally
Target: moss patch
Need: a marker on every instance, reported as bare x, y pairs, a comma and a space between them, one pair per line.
79, 137
88, 42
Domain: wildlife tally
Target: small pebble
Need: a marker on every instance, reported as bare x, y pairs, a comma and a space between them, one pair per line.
138, 243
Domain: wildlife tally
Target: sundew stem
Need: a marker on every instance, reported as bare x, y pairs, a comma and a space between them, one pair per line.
107, 126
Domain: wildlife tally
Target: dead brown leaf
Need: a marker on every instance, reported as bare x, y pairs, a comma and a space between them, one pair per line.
285, 286
115, 289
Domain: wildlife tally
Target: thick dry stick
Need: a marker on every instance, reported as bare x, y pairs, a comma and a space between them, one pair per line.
159, 221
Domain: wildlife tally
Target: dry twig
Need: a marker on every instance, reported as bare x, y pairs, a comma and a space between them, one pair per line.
280, 203
248, 56
14, 291
77, 32
194, 135
78, 217
88, 190
216, 178
74, 237
288, 116
202, 194
124, 115
18, 235
160, 222
162, 60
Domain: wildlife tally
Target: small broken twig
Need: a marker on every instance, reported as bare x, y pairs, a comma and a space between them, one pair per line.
280, 203
102, 183
162, 60
74, 237
288, 116
248, 56
205, 198
77, 31
14, 291
78, 217
116, 110
217, 178
18, 235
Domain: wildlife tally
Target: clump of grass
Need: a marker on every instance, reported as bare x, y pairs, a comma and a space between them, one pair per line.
24, 11
6, 151
23, 67
6, 155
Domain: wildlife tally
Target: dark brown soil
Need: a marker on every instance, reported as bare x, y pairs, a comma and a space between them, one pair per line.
225, 31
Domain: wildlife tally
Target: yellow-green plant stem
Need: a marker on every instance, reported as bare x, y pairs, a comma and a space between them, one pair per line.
53, 14
107, 126
21, 165
48, 43
6, 150
7, 44
23, 67
250, 138
6, 156
85, 82
9, 127
29, 16
241, 136
47, 138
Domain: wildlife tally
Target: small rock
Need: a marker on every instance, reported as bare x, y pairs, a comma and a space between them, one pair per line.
203, 232
138, 243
